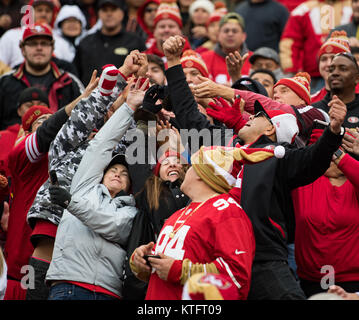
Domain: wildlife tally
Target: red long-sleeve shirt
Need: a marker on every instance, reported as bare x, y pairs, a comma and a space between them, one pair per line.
327, 226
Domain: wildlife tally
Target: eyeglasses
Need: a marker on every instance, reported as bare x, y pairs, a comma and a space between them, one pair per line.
263, 114
33, 44
349, 56
149, 10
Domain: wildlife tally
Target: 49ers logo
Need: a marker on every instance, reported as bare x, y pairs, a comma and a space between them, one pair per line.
353, 119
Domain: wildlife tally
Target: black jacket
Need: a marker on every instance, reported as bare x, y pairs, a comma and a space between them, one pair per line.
96, 50
146, 227
266, 186
63, 90
352, 117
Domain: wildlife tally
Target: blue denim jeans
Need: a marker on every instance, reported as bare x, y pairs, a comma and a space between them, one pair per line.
68, 291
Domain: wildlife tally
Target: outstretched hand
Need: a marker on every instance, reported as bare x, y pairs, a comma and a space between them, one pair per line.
234, 63
136, 94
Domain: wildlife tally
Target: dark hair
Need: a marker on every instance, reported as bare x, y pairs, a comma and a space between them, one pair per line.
156, 60
264, 71
349, 56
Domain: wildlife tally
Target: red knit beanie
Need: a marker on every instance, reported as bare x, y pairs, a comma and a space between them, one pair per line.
32, 115
168, 9
300, 84
337, 43
191, 59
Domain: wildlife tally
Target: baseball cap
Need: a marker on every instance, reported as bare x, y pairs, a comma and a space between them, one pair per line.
32, 93
249, 84
37, 30
232, 17
264, 52
117, 158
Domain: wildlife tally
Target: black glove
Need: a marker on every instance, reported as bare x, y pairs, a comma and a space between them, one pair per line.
154, 93
59, 196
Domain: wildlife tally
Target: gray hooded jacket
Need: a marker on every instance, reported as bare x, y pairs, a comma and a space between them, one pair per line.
95, 227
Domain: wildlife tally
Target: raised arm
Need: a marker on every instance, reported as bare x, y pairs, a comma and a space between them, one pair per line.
99, 151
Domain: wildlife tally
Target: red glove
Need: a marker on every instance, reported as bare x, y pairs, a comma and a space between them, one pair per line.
231, 116
108, 79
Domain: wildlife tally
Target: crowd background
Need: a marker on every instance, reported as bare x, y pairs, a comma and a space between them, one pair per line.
77, 75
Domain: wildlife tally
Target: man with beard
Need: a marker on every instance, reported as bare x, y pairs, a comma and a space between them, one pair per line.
38, 70
109, 45
44, 11
343, 78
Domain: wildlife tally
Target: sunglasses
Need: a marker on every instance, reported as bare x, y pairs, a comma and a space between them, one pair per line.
263, 114
349, 56
148, 10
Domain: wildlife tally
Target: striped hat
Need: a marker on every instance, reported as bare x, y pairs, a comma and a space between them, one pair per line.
191, 59
338, 42
220, 166
168, 9
300, 84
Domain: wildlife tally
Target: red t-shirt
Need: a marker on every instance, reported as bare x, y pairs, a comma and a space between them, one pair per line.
218, 232
327, 226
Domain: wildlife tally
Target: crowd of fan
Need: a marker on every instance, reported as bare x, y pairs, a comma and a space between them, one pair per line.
104, 194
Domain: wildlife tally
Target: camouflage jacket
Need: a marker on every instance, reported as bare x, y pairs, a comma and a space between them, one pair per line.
68, 147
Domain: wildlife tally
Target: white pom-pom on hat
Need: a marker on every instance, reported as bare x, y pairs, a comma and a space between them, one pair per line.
279, 152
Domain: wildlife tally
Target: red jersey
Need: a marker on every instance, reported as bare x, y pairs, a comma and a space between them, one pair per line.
29, 170
327, 226
219, 232
217, 68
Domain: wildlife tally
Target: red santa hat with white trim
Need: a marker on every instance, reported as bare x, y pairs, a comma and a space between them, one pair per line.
286, 126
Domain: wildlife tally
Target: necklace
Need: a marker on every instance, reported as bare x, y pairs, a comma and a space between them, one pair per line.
185, 211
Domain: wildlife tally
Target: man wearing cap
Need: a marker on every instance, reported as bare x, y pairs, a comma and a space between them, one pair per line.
306, 30
109, 45
336, 43
28, 159
343, 77
231, 38
265, 194
168, 22
44, 11
38, 70
28, 98
268, 59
